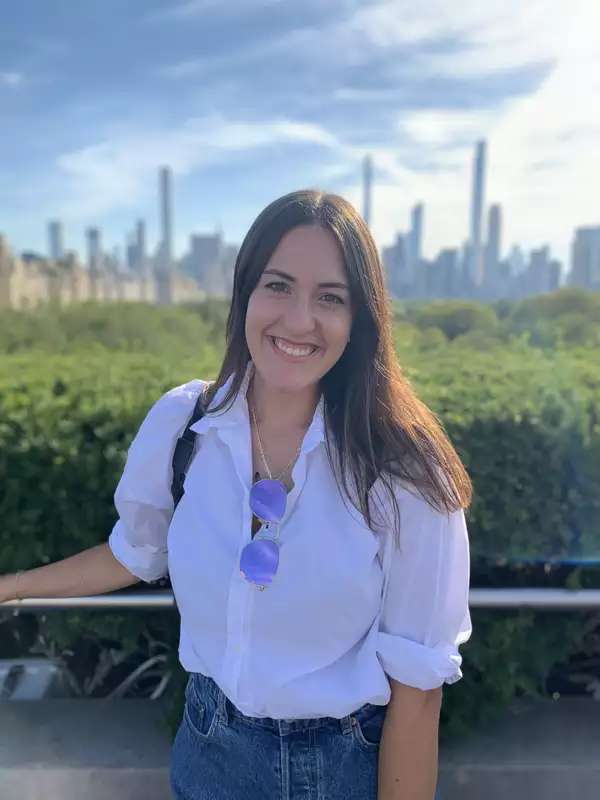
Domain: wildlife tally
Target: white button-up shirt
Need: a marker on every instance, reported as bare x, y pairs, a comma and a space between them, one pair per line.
346, 608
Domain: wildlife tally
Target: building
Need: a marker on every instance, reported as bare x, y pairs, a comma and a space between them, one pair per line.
29, 282
492, 254
164, 265
477, 202
210, 262
56, 249
415, 242
395, 262
543, 273
585, 259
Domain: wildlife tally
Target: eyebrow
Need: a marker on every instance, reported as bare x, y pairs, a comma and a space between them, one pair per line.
324, 284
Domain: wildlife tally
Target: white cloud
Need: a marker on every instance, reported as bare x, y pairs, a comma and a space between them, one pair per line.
118, 172
541, 142
12, 80
491, 36
182, 69
194, 9
541, 163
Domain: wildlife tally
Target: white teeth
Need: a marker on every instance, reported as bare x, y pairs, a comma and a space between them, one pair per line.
293, 350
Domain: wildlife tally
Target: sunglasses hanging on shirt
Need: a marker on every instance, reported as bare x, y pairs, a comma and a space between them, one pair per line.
259, 559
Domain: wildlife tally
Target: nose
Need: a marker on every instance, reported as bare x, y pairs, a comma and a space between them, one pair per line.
299, 318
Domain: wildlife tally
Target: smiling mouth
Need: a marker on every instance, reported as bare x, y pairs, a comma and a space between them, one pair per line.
291, 349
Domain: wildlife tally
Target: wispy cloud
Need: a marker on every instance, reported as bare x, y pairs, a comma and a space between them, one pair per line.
12, 80
194, 9
116, 173
182, 69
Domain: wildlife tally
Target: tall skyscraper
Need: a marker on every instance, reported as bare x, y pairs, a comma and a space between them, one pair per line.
477, 202
165, 265
492, 249
94, 248
140, 243
367, 181
585, 259
415, 241
166, 217
131, 254
416, 231
56, 248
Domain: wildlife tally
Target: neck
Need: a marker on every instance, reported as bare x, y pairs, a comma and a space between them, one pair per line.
280, 410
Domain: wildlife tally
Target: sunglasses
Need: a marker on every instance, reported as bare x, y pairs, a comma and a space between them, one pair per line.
260, 557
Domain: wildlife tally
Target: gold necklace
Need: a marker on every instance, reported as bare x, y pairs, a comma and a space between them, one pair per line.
262, 451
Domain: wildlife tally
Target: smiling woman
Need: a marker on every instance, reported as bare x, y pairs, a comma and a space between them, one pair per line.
313, 444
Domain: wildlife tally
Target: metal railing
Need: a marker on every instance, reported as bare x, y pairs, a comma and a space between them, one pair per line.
547, 599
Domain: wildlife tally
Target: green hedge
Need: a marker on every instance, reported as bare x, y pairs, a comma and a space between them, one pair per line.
524, 419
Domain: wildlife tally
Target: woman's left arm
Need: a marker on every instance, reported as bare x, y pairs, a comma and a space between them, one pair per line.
408, 752
424, 619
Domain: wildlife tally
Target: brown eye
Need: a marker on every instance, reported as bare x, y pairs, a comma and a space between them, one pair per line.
277, 286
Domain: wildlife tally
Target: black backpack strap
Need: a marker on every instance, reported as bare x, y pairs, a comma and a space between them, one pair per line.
184, 448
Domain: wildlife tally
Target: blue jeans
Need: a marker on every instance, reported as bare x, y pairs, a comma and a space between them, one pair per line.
221, 754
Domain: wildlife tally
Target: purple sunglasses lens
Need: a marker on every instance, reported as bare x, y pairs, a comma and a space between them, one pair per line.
260, 557
259, 561
268, 499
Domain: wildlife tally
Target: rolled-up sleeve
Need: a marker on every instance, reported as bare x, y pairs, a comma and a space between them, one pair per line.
425, 614
143, 496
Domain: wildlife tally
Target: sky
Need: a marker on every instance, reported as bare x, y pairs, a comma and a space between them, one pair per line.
250, 99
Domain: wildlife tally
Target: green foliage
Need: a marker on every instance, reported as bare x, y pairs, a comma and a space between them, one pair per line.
570, 316
510, 654
123, 327
516, 385
455, 317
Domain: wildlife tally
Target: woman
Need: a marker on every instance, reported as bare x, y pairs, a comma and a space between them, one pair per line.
319, 555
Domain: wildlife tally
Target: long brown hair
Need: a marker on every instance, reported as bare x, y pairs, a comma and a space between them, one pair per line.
376, 427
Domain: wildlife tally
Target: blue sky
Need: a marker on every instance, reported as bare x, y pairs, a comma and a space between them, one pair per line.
254, 98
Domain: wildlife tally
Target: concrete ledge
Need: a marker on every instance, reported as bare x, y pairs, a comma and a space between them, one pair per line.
538, 749
90, 783
97, 749
92, 749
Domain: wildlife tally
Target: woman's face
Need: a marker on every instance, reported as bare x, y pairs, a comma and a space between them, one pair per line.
299, 315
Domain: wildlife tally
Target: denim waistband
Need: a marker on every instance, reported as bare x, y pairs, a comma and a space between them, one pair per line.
226, 709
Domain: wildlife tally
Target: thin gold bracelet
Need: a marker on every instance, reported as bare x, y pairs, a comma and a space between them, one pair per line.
19, 572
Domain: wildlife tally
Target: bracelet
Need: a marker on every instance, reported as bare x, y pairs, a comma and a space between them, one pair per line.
19, 572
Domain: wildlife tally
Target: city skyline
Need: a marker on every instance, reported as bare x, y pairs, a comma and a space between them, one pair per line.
246, 105
475, 271
483, 246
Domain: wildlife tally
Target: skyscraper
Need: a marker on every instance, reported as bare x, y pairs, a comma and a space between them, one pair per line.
165, 260
93, 248
166, 216
56, 249
477, 202
585, 259
367, 180
492, 249
415, 241
140, 244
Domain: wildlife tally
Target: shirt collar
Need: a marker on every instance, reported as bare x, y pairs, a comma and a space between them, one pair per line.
237, 412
